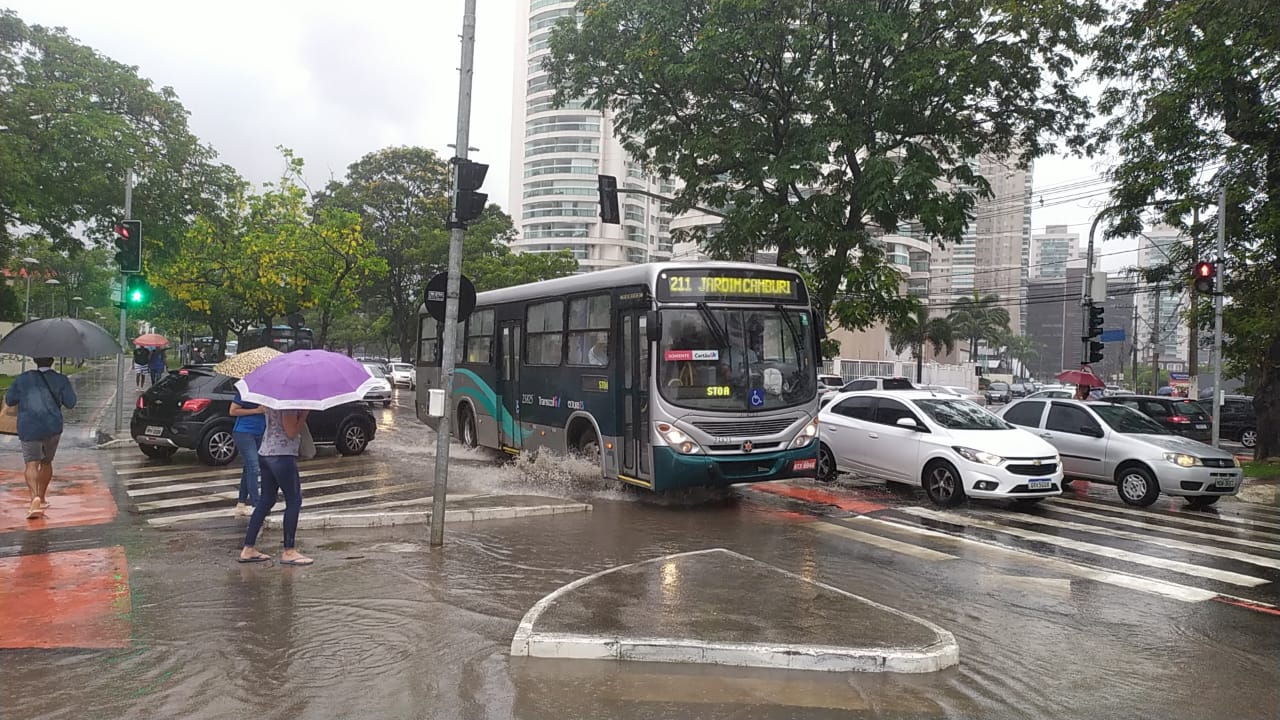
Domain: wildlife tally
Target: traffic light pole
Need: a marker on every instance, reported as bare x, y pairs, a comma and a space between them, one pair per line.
1219, 286
124, 312
448, 336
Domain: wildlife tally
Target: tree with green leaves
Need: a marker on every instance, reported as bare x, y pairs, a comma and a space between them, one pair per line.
918, 329
979, 319
1193, 104
819, 125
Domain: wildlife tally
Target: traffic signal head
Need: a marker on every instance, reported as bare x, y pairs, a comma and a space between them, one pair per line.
128, 242
1096, 313
1203, 277
1095, 351
468, 204
136, 291
608, 187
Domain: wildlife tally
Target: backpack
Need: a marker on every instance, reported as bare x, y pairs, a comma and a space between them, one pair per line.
141, 356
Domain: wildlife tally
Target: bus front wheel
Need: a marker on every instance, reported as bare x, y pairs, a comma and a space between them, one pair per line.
467, 428
588, 446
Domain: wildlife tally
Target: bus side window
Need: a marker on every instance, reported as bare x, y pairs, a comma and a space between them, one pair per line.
428, 334
480, 338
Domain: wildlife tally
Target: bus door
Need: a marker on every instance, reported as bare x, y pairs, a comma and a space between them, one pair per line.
635, 395
508, 410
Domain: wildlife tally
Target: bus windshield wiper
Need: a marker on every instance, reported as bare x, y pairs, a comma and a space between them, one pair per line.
795, 334
717, 331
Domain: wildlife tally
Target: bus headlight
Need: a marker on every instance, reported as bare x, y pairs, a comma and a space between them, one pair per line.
806, 434
677, 439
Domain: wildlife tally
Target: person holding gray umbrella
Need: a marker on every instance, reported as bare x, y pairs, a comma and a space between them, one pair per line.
40, 395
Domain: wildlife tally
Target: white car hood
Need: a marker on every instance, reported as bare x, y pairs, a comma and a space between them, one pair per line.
1177, 443
1005, 443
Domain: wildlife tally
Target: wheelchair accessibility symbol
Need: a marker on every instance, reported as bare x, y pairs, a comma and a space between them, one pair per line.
757, 398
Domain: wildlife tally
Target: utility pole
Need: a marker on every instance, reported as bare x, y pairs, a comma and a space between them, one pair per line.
1134, 335
124, 312
448, 333
1156, 326
1193, 334
1220, 283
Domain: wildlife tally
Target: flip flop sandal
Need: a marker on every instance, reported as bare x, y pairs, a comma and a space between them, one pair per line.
299, 562
254, 559
35, 514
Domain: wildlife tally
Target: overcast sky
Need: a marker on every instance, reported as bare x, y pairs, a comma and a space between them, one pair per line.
336, 80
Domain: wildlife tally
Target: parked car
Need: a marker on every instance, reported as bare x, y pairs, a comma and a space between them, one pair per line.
830, 382
381, 393
190, 408
1018, 390
950, 446
1238, 419
403, 374
1110, 442
1180, 416
998, 392
870, 383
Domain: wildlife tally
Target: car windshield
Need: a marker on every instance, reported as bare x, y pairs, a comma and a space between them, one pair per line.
960, 415
958, 390
999, 386
830, 381
376, 370
1127, 420
1188, 407
717, 358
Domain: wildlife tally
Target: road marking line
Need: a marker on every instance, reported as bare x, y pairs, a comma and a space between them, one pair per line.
1247, 506
306, 503
178, 503
1153, 586
1259, 560
1150, 515
205, 470
1092, 548
1161, 528
881, 542
1261, 607
229, 480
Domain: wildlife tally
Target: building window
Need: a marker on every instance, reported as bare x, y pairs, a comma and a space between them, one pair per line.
548, 19
635, 234
589, 331
543, 188
635, 213
480, 337
535, 231
560, 208
562, 166
542, 104
544, 333
562, 123
636, 255
561, 145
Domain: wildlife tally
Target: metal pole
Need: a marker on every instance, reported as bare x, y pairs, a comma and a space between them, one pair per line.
26, 314
1219, 285
1134, 381
1193, 331
448, 337
124, 313
1156, 326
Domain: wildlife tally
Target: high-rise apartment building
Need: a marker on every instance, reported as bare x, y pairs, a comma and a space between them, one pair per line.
556, 154
1051, 250
1173, 335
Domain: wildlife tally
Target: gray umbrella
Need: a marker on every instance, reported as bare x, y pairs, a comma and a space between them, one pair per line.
59, 337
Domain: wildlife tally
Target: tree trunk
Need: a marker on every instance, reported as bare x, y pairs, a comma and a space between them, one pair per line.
920, 364
1266, 405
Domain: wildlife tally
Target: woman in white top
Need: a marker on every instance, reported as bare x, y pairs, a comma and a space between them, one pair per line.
278, 461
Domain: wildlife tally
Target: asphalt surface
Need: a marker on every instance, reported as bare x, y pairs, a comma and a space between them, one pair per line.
1078, 608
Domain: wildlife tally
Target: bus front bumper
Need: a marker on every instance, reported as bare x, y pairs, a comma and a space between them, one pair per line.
673, 470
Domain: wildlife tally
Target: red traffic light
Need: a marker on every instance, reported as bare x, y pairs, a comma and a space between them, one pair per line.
1203, 277
122, 230
1204, 269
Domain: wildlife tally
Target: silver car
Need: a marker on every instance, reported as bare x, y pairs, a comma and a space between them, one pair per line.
1115, 444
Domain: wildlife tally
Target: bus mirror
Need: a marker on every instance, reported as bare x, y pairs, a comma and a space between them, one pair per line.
653, 325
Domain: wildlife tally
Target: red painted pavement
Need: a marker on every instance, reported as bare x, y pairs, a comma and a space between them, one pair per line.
820, 496
76, 598
78, 494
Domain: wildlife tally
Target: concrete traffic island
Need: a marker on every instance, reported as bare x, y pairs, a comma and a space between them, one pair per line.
723, 608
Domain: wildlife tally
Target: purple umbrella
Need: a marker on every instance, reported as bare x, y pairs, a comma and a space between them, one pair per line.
307, 380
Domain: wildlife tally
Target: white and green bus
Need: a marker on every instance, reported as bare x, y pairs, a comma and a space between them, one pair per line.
671, 374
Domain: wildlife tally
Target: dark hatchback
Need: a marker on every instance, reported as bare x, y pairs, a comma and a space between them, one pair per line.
1179, 416
1239, 422
191, 408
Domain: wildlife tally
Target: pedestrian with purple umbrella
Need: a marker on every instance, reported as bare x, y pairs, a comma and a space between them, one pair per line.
290, 386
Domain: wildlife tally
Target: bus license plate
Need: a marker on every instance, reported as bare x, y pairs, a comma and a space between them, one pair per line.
155, 430
799, 465
1040, 484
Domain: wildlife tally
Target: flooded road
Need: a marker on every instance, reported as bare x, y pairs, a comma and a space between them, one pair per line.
383, 627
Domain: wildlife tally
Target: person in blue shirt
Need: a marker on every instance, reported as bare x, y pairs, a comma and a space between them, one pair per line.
251, 423
157, 365
40, 395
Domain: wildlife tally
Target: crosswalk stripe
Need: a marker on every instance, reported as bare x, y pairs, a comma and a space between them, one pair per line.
306, 503
1250, 558
229, 480
1156, 515
1092, 548
1256, 507
1153, 586
176, 503
882, 542
205, 471
1182, 532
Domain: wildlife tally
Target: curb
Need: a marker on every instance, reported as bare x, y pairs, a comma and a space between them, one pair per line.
393, 519
942, 653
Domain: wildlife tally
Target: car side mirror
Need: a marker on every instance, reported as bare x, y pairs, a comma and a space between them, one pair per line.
1091, 431
907, 422
653, 325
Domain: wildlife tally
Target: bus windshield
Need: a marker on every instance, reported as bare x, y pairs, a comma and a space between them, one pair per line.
729, 359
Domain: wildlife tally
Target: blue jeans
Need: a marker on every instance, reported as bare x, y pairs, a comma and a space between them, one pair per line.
279, 475
156, 374
247, 444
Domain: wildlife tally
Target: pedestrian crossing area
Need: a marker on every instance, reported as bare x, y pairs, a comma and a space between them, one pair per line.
182, 491
1228, 554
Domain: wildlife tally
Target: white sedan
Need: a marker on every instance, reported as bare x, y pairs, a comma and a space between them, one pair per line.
950, 446
404, 374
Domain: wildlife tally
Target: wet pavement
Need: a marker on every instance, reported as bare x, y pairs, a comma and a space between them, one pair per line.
1079, 608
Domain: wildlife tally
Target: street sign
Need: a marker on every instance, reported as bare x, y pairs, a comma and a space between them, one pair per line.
1110, 336
1179, 376
435, 295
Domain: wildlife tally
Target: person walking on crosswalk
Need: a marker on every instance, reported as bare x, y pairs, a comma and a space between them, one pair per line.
251, 423
278, 457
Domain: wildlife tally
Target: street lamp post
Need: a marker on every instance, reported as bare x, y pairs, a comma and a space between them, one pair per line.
77, 300
27, 262
52, 282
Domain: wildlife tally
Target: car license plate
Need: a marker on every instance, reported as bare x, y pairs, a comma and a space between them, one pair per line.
155, 430
799, 465
1224, 483
1202, 427
1040, 484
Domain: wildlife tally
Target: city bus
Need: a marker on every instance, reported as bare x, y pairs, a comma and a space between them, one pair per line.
281, 337
670, 374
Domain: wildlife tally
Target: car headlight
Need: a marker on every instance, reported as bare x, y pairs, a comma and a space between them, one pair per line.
1182, 459
806, 434
677, 439
978, 456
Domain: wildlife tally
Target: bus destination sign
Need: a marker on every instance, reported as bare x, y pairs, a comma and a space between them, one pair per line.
697, 285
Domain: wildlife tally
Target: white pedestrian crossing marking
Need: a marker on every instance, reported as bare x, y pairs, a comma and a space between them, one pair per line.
882, 542
307, 502
177, 503
1156, 515
229, 480
1181, 532
1092, 548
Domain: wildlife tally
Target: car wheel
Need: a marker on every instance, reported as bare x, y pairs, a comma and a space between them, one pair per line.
467, 428
217, 447
1137, 486
1066, 482
1249, 437
942, 484
158, 452
826, 464
1200, 502
353, 438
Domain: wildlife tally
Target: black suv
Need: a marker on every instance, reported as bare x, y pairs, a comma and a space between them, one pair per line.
191, 408
1238, 419
1179, 416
